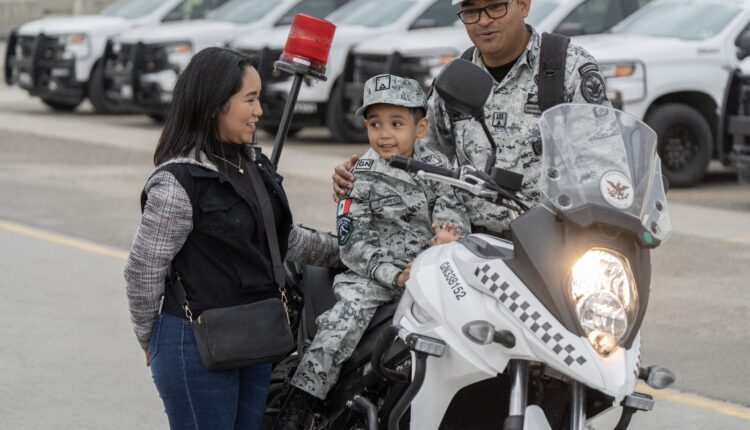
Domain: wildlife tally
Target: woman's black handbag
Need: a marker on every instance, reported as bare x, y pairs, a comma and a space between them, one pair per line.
259, 332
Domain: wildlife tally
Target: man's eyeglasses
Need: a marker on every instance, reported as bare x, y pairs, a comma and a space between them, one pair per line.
493, 11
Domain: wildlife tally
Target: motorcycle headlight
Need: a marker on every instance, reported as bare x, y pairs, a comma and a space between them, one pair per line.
603, 290
179, 55
77, 46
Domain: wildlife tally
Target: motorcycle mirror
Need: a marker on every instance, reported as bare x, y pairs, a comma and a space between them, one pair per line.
464, 86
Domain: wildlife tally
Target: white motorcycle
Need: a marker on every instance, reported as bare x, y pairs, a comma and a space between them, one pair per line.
538, 332
556, 310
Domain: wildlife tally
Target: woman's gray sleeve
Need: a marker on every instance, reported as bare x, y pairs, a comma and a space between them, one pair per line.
165, 225
308, 246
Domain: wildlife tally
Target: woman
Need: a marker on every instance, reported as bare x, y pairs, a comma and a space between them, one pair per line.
203, 221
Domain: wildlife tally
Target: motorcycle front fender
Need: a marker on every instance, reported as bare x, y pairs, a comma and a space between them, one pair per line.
535, 419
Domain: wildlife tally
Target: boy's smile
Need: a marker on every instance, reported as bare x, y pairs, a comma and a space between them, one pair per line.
392, 130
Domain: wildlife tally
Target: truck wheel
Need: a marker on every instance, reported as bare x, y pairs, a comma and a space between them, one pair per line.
158, 118
61, 106
272, 130
97, 94
340, 122
685, 143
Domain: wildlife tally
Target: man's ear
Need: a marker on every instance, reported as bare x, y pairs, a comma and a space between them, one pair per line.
422, 126
525, 5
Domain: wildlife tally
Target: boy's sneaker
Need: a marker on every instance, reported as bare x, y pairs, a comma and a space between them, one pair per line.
298, 406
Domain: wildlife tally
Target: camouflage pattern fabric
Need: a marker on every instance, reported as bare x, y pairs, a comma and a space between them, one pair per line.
512, 114
393, 90
382, 226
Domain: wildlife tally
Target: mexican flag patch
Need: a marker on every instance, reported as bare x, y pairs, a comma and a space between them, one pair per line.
343, 208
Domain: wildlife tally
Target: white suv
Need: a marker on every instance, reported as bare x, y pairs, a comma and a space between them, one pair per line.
671, 64
58, 58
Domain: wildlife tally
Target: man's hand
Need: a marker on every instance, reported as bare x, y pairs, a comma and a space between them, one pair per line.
343, 180
403, 276
446, 233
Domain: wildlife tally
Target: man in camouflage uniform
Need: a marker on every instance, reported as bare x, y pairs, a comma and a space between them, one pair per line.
509, 50
386, 220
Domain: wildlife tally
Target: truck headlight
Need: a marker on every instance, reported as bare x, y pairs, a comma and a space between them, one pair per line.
179, 55
76, 46
603, 290
617, 70
430, 65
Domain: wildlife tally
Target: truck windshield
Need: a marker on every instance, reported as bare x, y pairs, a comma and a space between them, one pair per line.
132, 9
539, 10
243, 11
370, 13
316, 8
690, 20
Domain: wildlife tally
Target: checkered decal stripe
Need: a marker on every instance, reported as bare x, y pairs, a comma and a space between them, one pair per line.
531, 318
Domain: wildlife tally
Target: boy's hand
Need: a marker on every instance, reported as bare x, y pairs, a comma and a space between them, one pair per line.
148, 359
446, 233
403, 276
343, 179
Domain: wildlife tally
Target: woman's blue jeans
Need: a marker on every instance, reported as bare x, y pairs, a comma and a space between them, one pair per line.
197, 398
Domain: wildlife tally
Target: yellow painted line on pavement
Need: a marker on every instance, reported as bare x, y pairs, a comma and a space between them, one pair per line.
696, 402
60, 239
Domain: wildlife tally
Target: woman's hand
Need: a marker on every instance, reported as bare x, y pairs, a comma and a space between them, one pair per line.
343, 179
446, 233
403, 276
148, 359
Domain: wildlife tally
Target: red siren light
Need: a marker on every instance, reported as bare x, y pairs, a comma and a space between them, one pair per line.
309, 42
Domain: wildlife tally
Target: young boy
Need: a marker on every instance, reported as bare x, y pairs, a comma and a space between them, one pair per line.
387, 219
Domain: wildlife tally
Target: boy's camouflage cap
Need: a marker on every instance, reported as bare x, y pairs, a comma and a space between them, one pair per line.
392, 90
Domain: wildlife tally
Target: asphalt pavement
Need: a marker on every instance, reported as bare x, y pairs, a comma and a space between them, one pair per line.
69, 187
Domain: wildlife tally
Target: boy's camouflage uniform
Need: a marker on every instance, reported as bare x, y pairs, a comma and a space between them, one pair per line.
382, 226
512, 114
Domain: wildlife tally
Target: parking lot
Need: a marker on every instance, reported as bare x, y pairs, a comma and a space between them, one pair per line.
69, 189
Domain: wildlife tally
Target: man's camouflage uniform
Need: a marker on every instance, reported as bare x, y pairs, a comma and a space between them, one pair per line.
382, 226
512, 114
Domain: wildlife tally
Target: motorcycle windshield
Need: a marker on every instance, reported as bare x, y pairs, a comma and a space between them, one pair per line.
598, 159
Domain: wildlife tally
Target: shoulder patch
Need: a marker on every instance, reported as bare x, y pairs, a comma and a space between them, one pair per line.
432, 159
344, 229
343, 208
593, 88
588, 68
364, 165
499, 119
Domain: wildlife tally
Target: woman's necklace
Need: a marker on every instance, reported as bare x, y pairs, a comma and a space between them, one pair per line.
238, 165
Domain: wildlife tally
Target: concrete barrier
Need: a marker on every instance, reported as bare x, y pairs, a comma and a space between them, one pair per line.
14, 13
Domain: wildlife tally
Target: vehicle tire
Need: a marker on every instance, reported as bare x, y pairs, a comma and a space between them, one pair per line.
61, 106
273, 130
97, 94
340, 122
685, 143
158, 118
743, 178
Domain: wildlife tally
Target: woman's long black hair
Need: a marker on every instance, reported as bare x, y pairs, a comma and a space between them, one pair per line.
201, 93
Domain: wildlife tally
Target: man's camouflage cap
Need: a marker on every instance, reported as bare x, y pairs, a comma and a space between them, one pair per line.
392, 90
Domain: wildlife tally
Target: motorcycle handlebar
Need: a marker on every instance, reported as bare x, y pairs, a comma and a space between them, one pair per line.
413, 166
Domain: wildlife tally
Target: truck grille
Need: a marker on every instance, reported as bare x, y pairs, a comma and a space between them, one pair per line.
367, 66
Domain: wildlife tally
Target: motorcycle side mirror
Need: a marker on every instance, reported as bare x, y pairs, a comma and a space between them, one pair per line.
465, 87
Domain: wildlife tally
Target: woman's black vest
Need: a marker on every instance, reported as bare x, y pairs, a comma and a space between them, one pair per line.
225, 260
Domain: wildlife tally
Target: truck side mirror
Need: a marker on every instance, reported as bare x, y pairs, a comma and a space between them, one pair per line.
743, 45
570, 29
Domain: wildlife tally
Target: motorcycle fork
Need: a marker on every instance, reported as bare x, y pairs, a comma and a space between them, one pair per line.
519, 374
577, 406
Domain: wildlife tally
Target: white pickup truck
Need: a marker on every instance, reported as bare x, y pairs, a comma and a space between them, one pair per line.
672, 64
58, 58
421, 54
143, 64
357, 21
